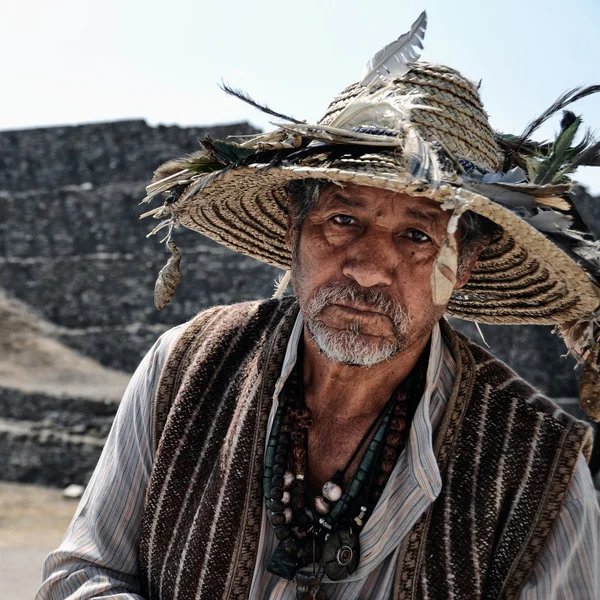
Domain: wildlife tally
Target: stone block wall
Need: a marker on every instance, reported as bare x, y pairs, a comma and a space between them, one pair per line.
73, 248
51, 440
99, 153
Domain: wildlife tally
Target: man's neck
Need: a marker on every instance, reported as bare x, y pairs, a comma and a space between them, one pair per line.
343, 393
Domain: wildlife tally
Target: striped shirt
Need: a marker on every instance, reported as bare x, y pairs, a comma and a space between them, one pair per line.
98, 556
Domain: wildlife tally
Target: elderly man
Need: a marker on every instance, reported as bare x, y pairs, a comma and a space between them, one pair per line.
345, 442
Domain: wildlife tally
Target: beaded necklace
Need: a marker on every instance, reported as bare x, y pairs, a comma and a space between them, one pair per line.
324, 530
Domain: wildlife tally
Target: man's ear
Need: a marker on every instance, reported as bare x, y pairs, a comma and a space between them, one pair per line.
465, 266
288, 233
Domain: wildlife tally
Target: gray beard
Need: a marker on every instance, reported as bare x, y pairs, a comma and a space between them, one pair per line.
351, 347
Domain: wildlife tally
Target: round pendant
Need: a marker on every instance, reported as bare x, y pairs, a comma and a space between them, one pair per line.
332, 491
341, 553
344, 556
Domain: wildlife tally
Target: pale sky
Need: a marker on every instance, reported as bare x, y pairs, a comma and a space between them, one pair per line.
76, 61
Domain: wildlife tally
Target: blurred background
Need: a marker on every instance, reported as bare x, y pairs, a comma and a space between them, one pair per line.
96, 95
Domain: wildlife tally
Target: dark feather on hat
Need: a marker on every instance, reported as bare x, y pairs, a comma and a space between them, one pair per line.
244, 97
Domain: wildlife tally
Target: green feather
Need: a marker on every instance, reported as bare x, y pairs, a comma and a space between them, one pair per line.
201, 162
226, 153
559, 155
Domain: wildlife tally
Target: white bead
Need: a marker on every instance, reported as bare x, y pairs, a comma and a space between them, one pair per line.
286, 498
332, 491
321, 505
288, 514
288, 479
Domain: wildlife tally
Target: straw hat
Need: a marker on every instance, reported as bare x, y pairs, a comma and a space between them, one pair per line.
419, 129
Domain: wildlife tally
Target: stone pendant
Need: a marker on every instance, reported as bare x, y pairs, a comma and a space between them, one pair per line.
283, 563
308, 588
332, 491
341, 552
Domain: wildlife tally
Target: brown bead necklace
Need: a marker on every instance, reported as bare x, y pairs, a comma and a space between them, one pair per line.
324, 530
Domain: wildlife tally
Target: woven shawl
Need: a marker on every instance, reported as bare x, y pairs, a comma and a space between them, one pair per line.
506, 455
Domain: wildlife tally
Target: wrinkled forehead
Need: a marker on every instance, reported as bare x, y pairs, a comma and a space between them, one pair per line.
380, 202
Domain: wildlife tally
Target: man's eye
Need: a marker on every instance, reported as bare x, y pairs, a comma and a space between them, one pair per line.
343, 220
418, 236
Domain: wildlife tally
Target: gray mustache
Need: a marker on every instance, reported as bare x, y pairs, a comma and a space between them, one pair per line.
373, 298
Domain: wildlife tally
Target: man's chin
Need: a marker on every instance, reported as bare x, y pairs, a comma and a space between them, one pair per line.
352, 348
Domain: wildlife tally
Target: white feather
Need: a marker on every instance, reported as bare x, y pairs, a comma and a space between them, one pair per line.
493, 191
589, 250
551, 221
383, 108
391, 61
161, 183
481, 334
281, 284
337, 135
516, 175
421, 161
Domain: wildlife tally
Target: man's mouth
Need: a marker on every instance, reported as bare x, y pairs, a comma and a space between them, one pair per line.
354, 309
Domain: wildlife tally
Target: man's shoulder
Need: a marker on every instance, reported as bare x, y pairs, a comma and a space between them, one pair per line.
507, 385
212, 327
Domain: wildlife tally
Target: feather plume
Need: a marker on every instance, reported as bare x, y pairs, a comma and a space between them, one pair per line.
174, 187
384, 108
327, 133
553, 202
421, 161
534, 190
516, 200
330, 151
550, 221
168, 278
443, 275
281, 284
567, 120
587, 157
225, 153
589, 251
161, 177
392, 60
244, 97
553, 163
586, 141
559, 104
516, 175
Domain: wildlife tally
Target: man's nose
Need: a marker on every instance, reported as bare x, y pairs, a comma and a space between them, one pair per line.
371, 260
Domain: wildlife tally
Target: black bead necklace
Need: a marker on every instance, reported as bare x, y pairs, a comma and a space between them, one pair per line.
324, 530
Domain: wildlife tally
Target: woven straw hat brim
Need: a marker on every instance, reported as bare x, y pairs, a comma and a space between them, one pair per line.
523, 278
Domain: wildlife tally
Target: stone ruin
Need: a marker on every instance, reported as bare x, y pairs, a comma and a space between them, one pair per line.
77, 278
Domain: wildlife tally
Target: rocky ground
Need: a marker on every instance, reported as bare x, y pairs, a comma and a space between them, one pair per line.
56, 405
33, 520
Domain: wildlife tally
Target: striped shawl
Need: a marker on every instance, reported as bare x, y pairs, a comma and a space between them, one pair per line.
505, 453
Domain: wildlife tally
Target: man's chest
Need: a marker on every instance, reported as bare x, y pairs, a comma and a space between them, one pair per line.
331, 447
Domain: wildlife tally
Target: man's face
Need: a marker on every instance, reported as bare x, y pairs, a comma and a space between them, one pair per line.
361, 271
